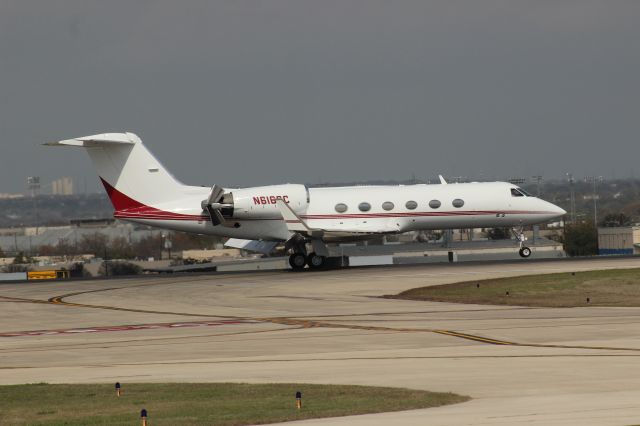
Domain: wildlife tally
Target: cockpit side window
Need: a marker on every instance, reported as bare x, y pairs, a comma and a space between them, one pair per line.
526, 194
516, 193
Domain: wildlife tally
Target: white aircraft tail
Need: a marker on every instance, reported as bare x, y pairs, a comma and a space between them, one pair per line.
131, 175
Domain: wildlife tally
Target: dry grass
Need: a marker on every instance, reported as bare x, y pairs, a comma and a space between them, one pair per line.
619, 287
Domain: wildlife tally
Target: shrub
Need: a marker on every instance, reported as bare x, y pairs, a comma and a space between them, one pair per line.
119, 268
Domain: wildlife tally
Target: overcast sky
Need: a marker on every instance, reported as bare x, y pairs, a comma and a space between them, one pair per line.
259, 92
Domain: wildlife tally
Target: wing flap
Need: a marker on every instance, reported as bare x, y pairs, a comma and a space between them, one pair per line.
265, 247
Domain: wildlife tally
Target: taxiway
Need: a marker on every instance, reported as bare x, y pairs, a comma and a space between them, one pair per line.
521, 365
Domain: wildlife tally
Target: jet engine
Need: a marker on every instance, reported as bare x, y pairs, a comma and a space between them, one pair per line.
254, 203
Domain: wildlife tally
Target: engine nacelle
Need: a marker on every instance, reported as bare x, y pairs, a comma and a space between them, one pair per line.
260, 202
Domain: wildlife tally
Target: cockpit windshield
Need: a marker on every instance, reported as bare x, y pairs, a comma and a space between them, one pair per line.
519, 192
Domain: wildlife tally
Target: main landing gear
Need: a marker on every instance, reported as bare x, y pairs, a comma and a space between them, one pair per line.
298, 261
297, 246
524, 250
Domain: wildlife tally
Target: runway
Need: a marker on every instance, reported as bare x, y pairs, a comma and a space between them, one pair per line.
520, 365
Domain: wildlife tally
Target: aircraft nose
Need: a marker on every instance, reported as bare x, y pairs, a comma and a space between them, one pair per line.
559, 210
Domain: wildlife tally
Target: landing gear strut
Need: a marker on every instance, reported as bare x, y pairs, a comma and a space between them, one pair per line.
524, 250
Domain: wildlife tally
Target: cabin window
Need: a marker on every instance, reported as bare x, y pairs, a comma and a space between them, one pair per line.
364, 207
516, 193
341, 207
411, 205
457, 203
434, 204
387, 205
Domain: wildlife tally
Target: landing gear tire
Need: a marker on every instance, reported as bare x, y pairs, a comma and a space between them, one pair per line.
297, 261
525, 252
315, 262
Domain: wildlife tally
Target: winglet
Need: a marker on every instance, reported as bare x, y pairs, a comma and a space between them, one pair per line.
442, 181
293, 221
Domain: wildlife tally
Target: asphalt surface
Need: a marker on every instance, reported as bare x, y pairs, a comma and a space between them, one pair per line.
520, 365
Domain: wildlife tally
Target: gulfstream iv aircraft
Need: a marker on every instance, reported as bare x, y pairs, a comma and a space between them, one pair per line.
143, 191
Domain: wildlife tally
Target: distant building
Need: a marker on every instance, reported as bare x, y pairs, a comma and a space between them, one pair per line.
619, 240
6, 196
62, 186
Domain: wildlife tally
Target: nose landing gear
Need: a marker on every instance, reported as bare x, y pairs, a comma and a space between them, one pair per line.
524, 250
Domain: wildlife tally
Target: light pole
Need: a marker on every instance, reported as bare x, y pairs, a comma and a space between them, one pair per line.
167, 245
34, 184
537, 179
572, 198
594, 180
162, 237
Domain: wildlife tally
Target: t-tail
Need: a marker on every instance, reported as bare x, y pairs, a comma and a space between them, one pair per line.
131, 175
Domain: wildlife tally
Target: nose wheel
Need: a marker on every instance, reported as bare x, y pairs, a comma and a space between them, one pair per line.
525, 252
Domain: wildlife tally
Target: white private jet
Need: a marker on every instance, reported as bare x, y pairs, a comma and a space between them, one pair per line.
143, 191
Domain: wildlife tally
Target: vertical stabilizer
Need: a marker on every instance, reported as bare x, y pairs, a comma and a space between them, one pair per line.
126, 165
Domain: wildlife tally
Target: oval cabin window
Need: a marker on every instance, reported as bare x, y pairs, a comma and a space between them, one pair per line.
364, 207
457, 203
434, 204
411, 205
341, 208
387, 205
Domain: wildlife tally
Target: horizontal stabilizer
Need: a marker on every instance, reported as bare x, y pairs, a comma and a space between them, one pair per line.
98, 140
265, 247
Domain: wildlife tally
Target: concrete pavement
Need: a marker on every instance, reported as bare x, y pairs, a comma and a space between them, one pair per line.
521, 365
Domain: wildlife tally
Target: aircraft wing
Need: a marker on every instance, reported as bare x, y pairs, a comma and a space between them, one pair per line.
265, 247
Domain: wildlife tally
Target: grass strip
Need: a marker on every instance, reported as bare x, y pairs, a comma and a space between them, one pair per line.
202, 403
613, 287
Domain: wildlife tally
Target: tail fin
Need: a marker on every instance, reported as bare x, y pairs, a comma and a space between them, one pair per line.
131, 175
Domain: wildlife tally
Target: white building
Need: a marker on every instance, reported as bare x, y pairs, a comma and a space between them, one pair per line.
619, 240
